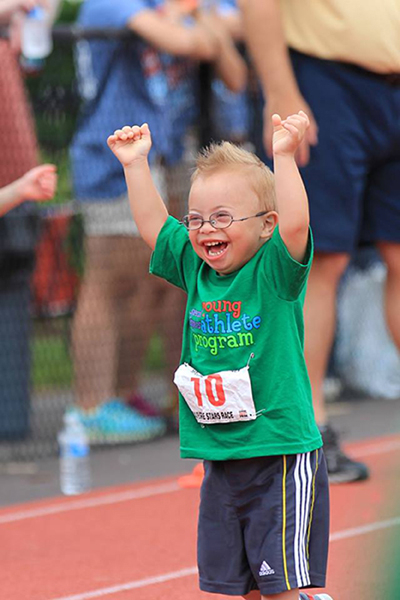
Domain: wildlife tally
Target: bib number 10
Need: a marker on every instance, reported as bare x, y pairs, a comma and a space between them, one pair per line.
214, 390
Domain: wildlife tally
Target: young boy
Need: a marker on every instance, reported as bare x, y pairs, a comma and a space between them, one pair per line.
245, 405
37, 184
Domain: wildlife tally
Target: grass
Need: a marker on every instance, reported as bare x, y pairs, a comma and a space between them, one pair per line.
52, 363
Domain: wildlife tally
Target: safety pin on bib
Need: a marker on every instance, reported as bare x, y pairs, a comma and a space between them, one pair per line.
250, 357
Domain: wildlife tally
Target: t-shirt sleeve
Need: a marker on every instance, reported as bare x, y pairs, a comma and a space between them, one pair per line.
173, 258
286, 275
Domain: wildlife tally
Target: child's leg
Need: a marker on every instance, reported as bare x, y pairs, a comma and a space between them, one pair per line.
290, 595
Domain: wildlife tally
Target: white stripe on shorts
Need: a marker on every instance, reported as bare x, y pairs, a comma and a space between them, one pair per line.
303, 481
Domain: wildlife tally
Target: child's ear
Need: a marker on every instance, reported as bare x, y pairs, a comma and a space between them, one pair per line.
270, 221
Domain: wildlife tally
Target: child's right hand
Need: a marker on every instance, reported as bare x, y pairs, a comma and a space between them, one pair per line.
130, 144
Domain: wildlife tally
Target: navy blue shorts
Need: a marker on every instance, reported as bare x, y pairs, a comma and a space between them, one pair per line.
353, 177
264, 524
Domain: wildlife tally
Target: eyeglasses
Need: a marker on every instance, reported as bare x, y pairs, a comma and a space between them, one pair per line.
218, 220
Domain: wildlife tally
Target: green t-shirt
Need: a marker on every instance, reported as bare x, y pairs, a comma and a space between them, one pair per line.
255, 310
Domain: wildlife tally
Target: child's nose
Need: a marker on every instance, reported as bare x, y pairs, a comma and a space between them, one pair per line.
207, 226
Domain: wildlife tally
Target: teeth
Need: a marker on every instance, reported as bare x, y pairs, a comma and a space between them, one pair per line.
215, 248
216, 253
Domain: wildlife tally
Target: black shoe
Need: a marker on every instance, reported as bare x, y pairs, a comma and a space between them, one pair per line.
341, 468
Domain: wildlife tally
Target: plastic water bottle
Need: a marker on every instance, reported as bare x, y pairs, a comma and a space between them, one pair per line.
36, 40
75, 477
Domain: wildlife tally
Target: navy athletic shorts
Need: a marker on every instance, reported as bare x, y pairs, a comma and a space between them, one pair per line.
353, 177
264, 524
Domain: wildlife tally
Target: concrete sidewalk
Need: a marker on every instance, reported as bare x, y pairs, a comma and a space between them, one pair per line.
355, 419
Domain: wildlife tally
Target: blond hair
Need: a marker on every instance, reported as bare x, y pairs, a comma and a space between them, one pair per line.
225, 155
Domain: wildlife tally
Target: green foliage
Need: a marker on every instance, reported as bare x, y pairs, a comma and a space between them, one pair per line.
69, 11
51, 363
64, 191
55, 103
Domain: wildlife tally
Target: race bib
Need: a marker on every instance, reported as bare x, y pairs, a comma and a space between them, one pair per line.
224, 397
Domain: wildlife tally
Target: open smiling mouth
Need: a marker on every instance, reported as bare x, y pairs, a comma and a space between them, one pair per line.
215, 249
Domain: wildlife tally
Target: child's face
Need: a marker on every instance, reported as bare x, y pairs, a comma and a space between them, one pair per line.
228, 191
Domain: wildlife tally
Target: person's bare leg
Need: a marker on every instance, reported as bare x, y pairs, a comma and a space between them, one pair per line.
171, 326
254, 595
289, 595
320, 322
171, 301
135, 313
94, 327
390, 253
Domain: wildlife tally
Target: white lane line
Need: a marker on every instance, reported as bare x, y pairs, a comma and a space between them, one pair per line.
131, 585
145, 492
363, 529
154, 490
379, 448
141, 583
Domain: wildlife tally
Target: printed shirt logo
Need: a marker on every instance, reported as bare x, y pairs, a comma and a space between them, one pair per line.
265, 569
221, 325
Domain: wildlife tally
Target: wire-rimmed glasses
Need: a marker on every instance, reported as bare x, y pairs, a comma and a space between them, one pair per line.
219, 220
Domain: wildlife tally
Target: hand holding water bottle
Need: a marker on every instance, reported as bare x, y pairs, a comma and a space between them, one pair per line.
36, 34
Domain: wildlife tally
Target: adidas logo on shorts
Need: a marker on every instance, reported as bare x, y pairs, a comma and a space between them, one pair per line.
265, 569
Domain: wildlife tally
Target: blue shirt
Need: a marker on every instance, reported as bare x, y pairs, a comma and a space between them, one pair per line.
121, 83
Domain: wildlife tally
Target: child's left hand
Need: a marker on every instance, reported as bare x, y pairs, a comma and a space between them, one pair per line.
38, 184
288, 133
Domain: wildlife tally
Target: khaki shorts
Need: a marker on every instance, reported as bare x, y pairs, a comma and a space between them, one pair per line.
113, 216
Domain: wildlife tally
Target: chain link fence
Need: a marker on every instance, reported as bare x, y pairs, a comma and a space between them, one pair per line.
57, 344
46, 362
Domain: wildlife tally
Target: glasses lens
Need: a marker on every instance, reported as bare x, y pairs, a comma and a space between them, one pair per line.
193, 221
220, 220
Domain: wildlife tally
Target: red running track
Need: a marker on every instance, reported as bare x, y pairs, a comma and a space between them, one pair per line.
139, 541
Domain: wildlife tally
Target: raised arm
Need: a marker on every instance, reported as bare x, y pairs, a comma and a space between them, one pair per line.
131, 145
291, 196
264, 36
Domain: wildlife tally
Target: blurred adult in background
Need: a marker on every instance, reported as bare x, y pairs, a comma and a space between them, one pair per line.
337, 58
230, 108
124, 82
18, 236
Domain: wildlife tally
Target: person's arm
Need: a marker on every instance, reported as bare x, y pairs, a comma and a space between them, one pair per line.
38, 184
131, 145
229, 65
234, 23
197, 42
291, 196
264, 36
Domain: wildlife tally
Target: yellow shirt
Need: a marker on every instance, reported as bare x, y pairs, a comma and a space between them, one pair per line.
362, 32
